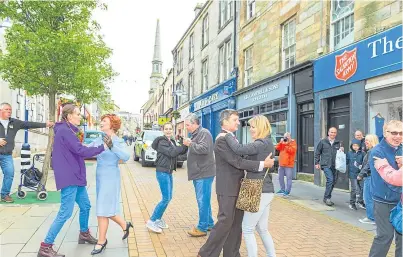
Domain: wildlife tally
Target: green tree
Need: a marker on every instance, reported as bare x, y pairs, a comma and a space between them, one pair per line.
53, 47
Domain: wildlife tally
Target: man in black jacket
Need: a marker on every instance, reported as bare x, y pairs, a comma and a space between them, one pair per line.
8, 130
226, 235
325, 159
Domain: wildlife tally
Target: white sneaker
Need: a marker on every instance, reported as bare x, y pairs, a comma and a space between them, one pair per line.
151, 225
161, 223
367, 221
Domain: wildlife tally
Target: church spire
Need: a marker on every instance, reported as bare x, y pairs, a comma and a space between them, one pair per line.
156, 74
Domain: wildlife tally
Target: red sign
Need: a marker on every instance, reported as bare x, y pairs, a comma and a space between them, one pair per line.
346, 65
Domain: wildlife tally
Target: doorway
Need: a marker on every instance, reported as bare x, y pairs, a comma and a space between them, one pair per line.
306, 147
339, 117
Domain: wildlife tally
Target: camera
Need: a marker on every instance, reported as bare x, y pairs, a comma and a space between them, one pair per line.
285, 139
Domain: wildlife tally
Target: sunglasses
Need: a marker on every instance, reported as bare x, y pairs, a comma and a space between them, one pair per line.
395, 133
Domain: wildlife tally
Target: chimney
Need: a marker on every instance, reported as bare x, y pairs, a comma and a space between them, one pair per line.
198, 7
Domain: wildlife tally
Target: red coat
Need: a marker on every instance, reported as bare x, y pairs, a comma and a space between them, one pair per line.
287, 153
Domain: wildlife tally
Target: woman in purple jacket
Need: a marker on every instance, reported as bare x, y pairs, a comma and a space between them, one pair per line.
69, 168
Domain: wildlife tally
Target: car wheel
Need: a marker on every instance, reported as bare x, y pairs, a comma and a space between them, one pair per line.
143, 160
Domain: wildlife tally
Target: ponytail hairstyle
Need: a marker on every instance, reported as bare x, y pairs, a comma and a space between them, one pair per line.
67, 109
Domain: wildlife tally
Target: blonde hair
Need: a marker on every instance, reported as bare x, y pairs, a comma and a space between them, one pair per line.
262, 124
372, 139
392, 123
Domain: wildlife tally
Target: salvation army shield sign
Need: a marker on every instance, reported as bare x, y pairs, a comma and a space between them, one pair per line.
346, 65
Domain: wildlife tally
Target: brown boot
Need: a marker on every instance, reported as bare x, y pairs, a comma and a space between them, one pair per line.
85, 237
196, 233
46, 250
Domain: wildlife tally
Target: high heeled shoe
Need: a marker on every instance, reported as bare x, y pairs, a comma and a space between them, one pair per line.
97, 251
127, 230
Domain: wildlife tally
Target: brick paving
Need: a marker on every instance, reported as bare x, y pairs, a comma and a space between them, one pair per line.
296, 230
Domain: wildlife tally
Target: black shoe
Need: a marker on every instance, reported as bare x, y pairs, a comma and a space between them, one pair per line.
97, 251
328, 202
352, 206
127, 230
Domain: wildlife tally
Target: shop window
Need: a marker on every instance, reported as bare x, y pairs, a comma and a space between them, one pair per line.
269, 107
276, 105
284, 103
262, 108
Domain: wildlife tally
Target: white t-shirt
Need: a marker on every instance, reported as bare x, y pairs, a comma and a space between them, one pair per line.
5, 125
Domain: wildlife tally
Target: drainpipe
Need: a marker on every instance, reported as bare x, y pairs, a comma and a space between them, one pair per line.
235, 33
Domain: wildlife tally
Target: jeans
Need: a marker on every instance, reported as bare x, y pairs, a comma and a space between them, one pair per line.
288, 173
166, 186
385, 232
69, 195
259, 221
369, 203
7, 166
203, 197
331, 175
355, 189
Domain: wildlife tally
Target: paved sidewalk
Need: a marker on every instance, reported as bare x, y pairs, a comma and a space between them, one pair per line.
23, 227
297, 230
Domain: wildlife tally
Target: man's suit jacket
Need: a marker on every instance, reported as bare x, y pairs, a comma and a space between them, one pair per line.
230, 168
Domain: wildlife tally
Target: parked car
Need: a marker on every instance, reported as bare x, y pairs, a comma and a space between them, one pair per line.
90, 136
143, 149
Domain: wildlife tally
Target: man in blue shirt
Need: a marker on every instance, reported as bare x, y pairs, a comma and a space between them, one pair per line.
386, 196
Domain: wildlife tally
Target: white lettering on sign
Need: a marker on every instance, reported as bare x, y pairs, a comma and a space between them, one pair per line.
261, 93
206, 101
388, 45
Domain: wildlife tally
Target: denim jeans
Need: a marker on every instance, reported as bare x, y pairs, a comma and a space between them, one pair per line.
166, 186
7, 166
369, 203
69, 195
288, 173
203, 197
259, 221
355, 190
331, 179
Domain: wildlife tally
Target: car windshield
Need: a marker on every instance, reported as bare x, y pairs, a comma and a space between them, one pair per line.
151, 135
93, 135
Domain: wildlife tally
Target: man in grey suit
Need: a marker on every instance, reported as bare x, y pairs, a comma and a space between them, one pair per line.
227, 232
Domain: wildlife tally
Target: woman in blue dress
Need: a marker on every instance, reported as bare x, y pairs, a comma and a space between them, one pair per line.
108, 182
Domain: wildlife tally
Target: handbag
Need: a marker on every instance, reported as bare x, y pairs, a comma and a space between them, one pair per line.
396, 217
250, 194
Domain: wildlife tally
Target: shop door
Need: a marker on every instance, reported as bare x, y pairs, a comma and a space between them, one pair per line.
216, 125
306, 147
206, 122
339, 117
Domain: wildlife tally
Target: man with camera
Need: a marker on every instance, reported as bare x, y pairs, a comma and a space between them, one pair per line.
287, 148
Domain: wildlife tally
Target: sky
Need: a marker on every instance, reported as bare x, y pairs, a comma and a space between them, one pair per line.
128, 27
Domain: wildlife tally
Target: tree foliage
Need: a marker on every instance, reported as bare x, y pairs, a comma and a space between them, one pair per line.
53, 47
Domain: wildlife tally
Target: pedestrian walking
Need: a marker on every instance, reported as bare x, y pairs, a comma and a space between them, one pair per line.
354, 161
226, 235
365, 174
325, 159
258, 150
108, 186
201, 170
8, 130
386, 196
70, 175
166, 163
288, 149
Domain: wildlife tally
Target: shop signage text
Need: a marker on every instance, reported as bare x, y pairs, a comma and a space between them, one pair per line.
260, 93
371, 57
265, 93
206, 101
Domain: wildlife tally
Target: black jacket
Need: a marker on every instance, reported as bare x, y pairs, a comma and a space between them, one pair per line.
167, 153
255, 151
325, 153
13, 126
365, 169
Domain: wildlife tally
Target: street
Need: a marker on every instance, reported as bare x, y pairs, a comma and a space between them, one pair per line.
300, 225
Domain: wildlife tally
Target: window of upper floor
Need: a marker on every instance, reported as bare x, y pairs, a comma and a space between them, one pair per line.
226, 11
225, 58
342, 23
288, 48
250, 9
205, 31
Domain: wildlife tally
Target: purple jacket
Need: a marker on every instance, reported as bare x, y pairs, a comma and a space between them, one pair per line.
68, 156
